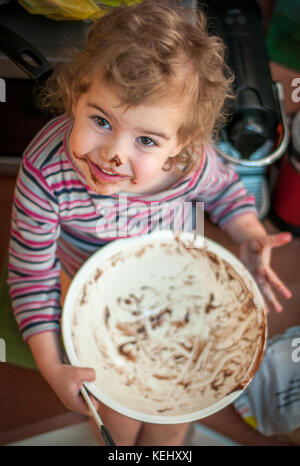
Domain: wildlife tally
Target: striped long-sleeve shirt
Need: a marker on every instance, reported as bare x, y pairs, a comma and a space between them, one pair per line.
57, 220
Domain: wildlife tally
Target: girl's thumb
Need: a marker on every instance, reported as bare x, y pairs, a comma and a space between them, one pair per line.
87, 374
279, 239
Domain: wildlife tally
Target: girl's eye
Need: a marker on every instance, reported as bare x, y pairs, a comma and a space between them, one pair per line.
101, 122
146, 141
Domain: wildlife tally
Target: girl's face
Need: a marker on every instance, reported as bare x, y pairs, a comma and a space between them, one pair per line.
121, 148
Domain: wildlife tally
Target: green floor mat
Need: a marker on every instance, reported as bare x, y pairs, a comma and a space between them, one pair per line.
17, 351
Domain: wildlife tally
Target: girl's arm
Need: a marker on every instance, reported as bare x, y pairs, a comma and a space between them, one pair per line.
46, 349
244, 227
34, 281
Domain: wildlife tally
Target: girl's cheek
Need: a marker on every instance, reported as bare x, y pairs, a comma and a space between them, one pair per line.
143, 175
84, 141
146, 169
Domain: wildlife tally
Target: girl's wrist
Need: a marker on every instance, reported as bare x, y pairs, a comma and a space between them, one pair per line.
46, 350
244, 227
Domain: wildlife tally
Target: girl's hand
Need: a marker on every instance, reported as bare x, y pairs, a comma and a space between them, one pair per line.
66, 381
255, 253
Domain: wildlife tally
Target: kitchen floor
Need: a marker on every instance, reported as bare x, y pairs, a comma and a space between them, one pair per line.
29, 408
81, 435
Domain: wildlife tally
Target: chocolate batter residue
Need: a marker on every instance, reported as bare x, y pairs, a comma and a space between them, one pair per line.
182, 342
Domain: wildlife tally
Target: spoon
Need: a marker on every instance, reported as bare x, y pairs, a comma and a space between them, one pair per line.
104, 432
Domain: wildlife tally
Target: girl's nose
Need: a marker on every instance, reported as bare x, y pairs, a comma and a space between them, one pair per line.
116, 154
116, 160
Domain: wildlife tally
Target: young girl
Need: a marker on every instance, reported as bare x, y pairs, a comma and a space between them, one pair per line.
140, 105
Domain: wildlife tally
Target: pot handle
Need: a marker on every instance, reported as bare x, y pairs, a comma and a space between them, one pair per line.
24, 55
281, 148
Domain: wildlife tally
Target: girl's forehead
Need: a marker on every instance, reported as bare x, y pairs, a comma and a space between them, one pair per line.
102, 93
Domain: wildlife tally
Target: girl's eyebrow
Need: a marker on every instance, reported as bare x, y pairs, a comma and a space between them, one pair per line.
90, 104
142, 130
153, 133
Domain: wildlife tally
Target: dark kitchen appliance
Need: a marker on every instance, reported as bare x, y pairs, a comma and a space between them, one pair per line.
257, 133
257, 110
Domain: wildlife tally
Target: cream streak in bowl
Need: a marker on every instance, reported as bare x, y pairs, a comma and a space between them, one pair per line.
174, 326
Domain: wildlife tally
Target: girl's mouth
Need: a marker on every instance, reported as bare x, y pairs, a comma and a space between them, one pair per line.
102, 174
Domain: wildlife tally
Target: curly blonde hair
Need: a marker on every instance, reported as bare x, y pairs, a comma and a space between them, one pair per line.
148, 50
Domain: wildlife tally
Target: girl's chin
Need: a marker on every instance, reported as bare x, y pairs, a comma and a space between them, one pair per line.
105, 188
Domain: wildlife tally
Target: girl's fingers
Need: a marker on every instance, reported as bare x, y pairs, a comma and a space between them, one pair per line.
86, 374
277, 283
256, 256
95, 402
269, 294
82, 407
278, 240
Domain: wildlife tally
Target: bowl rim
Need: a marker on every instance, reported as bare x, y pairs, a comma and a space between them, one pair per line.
110, 249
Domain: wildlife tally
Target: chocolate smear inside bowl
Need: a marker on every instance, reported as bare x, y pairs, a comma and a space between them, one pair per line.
173, 331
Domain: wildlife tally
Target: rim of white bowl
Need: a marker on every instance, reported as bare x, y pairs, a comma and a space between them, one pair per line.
110, 249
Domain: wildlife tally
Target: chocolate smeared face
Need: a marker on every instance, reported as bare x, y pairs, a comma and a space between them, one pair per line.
169, 329
120, 147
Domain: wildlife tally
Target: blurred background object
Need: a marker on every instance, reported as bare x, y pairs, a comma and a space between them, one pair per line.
285, 211
66, 10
